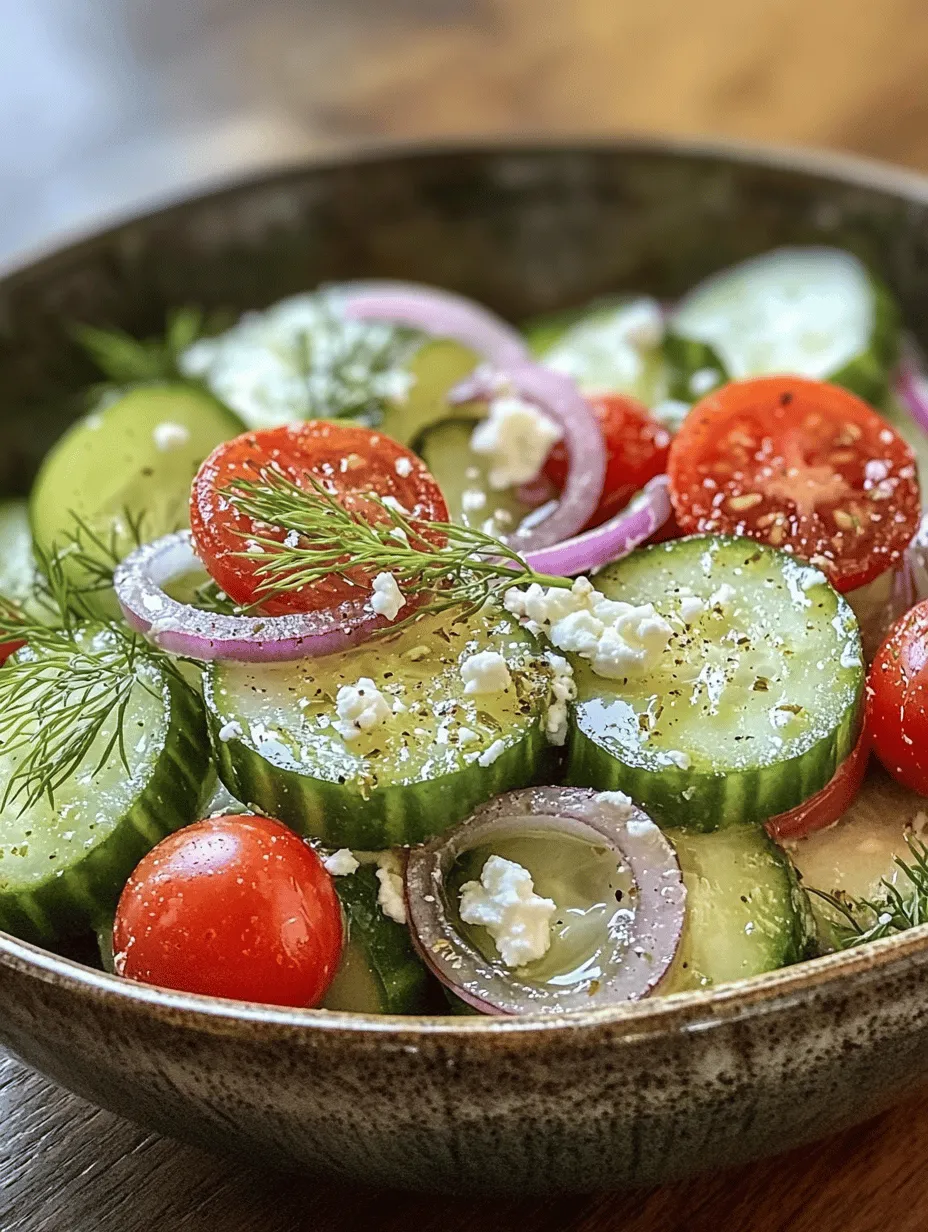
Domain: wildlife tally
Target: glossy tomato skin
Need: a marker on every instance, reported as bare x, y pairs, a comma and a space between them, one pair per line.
636, 451
897, 700
352, 462
9, 648
235, 907
802, 465
832, 802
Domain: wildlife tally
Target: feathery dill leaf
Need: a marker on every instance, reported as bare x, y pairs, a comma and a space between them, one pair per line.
446, 564
124, 360
900, 906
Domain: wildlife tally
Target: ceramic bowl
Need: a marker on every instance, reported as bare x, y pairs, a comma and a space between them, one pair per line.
610, 1098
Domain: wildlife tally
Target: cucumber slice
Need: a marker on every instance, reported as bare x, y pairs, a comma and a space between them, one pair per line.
18, 573
745, 910
462, 476
694, 368
854, 856
433, 370
380, 972
132, 459
815, 312
611, 346
62, 867
749, 709
406, 779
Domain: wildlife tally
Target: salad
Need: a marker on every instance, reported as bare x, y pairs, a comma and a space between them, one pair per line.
370, 653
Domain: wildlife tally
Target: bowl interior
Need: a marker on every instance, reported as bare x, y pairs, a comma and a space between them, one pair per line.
522, 230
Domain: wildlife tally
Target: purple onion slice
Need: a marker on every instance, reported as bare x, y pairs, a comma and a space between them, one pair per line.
640, 947
185, 630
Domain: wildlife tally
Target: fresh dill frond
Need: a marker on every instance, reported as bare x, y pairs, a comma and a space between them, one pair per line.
125, 360
96, 553
901, 905
446, 565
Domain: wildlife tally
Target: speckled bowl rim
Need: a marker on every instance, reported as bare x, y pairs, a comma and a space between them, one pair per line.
679, 1012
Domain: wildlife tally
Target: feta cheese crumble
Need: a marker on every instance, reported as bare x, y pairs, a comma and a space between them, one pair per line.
492, 754
516, 438
230, 731
391, 898
360, 707
485, 672
341, 863
621, 805
563, 690
403, 467
618, 639
387, 598
168, 436
703, 380
504, 902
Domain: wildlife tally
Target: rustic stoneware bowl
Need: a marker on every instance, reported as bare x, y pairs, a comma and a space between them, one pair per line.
609, 1098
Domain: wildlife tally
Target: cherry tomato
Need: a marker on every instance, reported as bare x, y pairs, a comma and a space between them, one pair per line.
636, 451
234, 907
803, 466
897, 696
832, 802
352, 462
8, 648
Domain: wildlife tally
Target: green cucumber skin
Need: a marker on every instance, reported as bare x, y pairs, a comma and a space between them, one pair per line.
85, 895
397, 816
706, 802
403, 983
684, 357
868, 374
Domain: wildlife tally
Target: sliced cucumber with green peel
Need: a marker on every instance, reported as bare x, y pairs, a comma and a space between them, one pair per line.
18, 572
463, 478
63, 865
610, 346
434, 369
812, 312
133, 459
751, 706
380, 972
411, 776
745, 910
694, 368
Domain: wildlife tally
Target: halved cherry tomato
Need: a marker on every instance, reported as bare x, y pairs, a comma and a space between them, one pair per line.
897, 697
803, 466
234, 907
636, 451
8, 648
832, 802
352, 462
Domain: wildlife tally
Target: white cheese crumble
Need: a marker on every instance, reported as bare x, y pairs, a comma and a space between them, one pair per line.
230, 731
403, 467
671, 412
677, 758
341, 863
618, 639
472, 500
360, 707
639, 827
492, 754
504, 902
563, 690
516, 438
485, 672
723, 597
168, 436
390, 896
691, 607
467, 735
621, 805
387, 598
392, 503
703, 380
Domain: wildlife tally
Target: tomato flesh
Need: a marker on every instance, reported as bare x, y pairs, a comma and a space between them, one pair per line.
802, 465
234, 907
826, 806
350, 461
897, 700
636, 451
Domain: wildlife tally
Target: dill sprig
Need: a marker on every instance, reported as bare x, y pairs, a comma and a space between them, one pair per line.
448, 565
57, 695
899, 906
125, 360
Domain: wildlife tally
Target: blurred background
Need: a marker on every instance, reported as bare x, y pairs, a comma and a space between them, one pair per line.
106, 105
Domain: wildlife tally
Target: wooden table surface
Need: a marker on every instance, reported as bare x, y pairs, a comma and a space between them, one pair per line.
104, 105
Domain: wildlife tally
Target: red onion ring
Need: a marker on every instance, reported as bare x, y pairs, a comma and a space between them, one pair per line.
441, 314
612, 540
558, 397
912, 386
636, 967
182, 629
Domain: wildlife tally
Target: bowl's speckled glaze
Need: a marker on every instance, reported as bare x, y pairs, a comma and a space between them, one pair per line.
609, 1098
